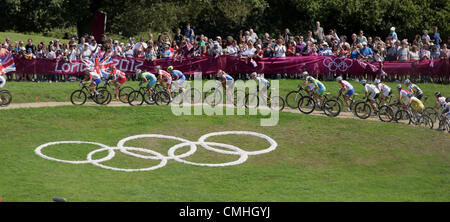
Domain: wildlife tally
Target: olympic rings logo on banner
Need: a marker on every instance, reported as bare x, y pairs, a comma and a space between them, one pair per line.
229, 150
338, 63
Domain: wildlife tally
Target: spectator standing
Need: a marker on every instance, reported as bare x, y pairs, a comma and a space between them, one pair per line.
253, 36
393, 34
425, 37
189, 32
300, 46
414, 53
361, 38
403, 52
436, 38
286, 36
31, 46
444, 53
310, 38
318, 32
178, 37
434, 54
366, 52
280, 49
424, 52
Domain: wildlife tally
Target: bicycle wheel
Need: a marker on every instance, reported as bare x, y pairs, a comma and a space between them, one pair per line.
78, 97
239, 98
431, 112
276, 103
162, 98
177, 97
193, 96
251, 101
362, 110
102, 97
6, 97
292, 99
306, 105
447, 125
135, 98
213, 97
124, 92
385, 113
332, 108
426, 121
402, 116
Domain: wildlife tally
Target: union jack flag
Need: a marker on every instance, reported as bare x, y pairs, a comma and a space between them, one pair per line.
100, 65
364, 65
7, 64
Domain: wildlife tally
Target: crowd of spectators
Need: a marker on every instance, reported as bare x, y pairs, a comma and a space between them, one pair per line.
186, 43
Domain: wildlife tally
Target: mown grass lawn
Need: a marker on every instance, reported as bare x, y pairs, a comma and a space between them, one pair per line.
317, 158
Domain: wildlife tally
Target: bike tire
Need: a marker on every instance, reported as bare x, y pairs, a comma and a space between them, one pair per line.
102, 97
78, 97
276, 103
332, 108
124, 92
213, 97
385, 113
193, 96
362, 110
135, 98
6, 97
252, 103
162, 98
239, 98
426, 121
402, 116
306, 105
292, 99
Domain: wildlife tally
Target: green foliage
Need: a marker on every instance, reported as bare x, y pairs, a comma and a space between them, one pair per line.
227, 17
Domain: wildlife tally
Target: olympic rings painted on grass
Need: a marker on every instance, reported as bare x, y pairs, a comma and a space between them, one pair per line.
232, 150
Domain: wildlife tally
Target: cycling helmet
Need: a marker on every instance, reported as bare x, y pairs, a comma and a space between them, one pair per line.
410, 94
363, 81
170, 68
309, 78
399, 86
157, 67
253, 75
305, 73
407, 81
138, 71
377, 81
437, 94
339, 78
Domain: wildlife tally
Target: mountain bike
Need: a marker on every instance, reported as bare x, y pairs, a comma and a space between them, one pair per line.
79, 96
124, 91
341, 99
293, 97
5, 97
363, 108
307, 104
156, 95
214, 96
406, 116
189, 95
273, 102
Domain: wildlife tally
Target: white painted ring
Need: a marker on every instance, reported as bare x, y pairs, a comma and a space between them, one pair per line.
110, 155
160, 157
243, 155
273, 144
121, 143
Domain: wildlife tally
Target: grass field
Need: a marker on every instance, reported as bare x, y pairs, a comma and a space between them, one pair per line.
24, 37
25, 92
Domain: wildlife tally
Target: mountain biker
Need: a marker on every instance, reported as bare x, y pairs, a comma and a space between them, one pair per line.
348, 87
445, 109
318, 88
94, 79
414, 89
147, 77
164, 78
373, 90
263, 83
119, 78
385, 90
227, 82
178, 76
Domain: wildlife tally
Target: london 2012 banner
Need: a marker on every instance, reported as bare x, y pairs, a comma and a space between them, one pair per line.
236, 65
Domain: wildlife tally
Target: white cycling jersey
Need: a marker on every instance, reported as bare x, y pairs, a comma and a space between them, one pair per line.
371, 89
346, 84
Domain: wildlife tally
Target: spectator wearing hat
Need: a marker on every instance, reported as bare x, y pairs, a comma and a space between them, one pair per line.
325, 50
366, 52
393, 34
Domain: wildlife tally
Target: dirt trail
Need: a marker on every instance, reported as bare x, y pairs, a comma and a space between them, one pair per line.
344, 115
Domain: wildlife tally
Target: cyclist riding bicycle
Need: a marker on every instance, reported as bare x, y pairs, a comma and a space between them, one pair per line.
445, 109
402, 94
348, 87
385, 90
164, 78
147, 77
415, 103
263, 83
318, 88
414, 89
2, 84
118, 79
178, 76
227, 82
373, 91
94, 79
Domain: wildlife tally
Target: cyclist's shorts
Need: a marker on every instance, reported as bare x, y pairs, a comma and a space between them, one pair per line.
419, 96
321, 90
447, 115
97, 81
418, 107
152, 82
350, 92
122, 81
374, 96
181, 81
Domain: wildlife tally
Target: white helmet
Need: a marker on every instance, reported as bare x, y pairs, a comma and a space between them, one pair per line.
138, 71
363, 81
410, 94
399, 86
377, 81
339, 78
309, 78
305, 73
407, 81
441, 100
253, 75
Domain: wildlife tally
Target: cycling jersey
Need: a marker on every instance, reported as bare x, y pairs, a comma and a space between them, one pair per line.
370, 88
165, 76
416, 104
227, 77
263, 81
441, 100
321, 86
178, 74
95, 77
385, 89
346, 85
151, 77
415, 89
404, 94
